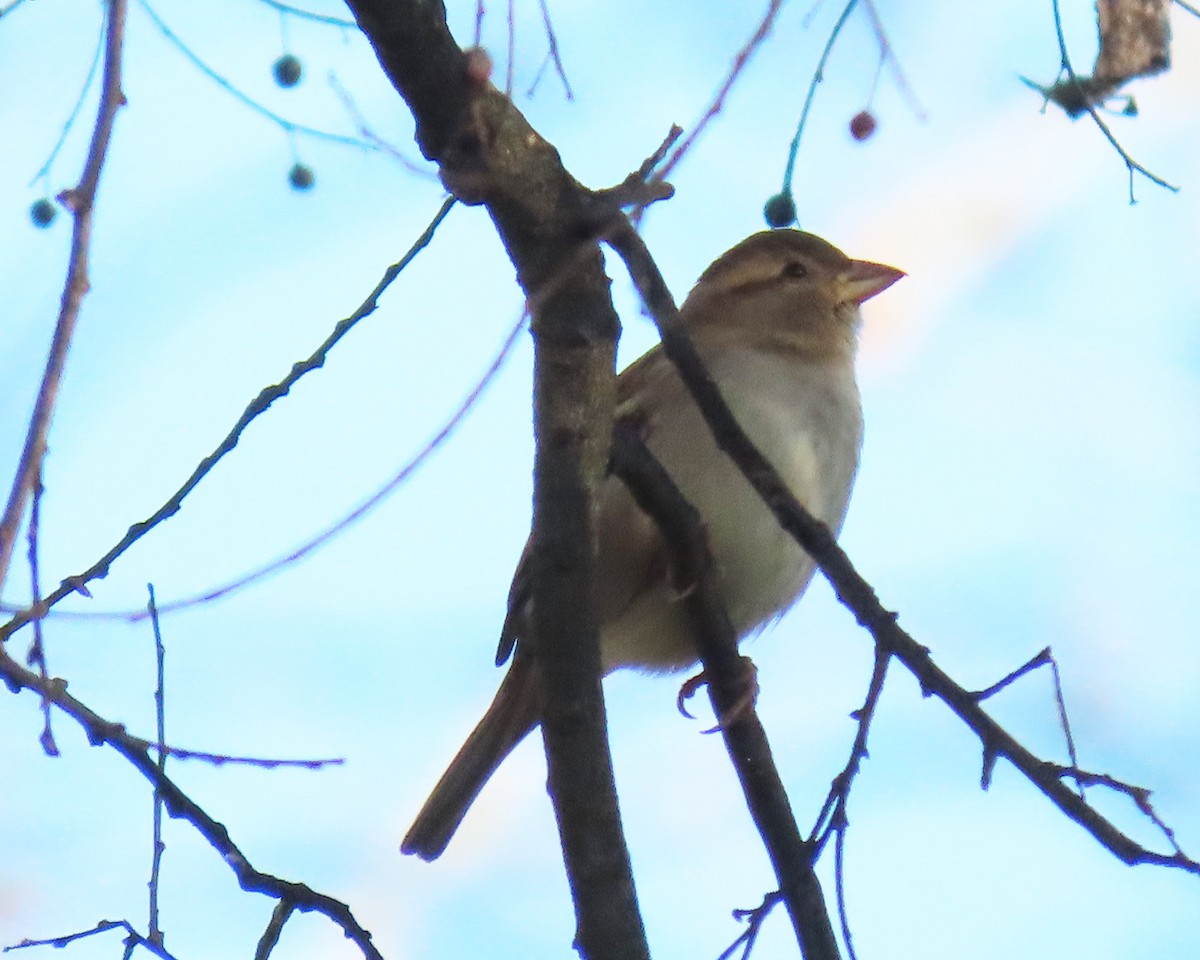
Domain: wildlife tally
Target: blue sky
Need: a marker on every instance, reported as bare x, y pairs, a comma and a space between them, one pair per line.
1028, 480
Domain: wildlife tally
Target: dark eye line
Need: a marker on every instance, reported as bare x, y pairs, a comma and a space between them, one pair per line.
795, 269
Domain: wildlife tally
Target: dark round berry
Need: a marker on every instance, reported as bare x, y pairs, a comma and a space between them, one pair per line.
287, 70
43, 212
780, 210
301, 177
862, 125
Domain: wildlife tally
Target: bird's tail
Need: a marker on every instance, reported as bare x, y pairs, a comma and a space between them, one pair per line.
516, 709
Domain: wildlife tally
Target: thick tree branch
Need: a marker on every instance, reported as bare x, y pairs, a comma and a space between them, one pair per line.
487, 153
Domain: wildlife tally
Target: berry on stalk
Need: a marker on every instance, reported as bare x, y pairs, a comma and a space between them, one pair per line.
862, 125
780, 210
301, 177
288, 70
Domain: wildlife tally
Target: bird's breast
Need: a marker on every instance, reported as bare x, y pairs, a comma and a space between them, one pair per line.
806, 420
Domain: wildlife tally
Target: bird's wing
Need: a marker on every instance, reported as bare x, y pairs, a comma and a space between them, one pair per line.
632, 557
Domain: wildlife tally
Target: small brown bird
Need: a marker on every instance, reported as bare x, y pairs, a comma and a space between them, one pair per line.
775, 320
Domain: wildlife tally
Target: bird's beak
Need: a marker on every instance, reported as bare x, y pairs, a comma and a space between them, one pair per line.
864, 279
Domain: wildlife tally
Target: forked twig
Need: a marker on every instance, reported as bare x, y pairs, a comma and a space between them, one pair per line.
1130, 164
178, 804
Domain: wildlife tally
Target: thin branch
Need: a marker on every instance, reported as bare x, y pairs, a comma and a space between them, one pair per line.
839, 873
1139, 795
739, 64
552, 40
1062, 716
888, 55
258, 406
100, 731
221, 759
365, 131
270, 936
374, 500
817, 77
80, 200
37, 650
1039, 659
343, 523
754, 919
851, 589
286, 125
160, 715
1195, 12
1131, 165
74, 114
832, 818
132, 937
308, 15
512, 48
725, 673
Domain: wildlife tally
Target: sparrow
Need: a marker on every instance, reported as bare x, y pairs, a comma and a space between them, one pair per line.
775, 320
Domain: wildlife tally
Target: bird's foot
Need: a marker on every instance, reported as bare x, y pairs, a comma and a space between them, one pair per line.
747, 682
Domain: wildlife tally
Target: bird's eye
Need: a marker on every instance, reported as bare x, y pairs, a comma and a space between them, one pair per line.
795, 269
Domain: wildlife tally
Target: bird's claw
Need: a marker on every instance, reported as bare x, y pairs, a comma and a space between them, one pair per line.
742, 707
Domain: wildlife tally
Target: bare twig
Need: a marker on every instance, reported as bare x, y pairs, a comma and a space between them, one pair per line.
160, 716
553, 53
80, 200
1039, 659
178, 804
358, 513
74, 114
754, 919
284, 124
365, 131
37, 650
374, 500
888, 55
817, 77
1077, 84
258, 406
270, 936
1042, 658
221, 759
308, 15
839, 874
512, 48
1139, 795
132, 938
1062, 716
751, 46
832, 818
